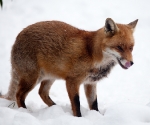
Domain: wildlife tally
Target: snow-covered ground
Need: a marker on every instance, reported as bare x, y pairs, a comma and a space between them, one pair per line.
123, 97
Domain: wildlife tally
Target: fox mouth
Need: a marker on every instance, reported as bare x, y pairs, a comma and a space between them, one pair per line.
119, 61
122, 62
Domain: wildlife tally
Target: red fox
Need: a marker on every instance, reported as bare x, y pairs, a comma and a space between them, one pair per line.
50, 50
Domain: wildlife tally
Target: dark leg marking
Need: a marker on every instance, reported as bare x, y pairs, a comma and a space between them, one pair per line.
95, 105
77, 105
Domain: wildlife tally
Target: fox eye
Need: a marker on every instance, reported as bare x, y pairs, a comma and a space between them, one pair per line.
119, 48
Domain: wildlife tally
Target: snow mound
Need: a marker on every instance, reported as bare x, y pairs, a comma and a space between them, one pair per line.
121, 114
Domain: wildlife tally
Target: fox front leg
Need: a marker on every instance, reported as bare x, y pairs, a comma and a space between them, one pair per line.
91, 95
73, 93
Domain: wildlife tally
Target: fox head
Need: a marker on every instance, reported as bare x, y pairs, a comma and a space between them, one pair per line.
119, 41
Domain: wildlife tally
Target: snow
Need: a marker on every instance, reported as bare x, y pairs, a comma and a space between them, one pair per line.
123, 97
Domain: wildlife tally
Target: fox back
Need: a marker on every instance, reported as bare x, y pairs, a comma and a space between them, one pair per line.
50, 50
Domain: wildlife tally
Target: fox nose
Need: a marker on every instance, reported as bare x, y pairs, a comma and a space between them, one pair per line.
128, 64
131, 63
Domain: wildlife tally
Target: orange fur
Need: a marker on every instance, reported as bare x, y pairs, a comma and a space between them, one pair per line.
50, 50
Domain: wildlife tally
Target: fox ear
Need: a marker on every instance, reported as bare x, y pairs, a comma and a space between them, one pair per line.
133, 24
110, 27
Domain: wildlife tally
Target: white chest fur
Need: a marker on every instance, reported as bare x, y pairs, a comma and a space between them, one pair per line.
102, 69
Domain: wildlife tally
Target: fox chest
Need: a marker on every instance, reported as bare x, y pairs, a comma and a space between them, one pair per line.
97, 74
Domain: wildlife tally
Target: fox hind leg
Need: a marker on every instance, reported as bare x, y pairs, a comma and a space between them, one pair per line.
44, 92
24, 87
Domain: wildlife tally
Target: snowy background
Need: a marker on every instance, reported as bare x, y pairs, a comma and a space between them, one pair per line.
123, 97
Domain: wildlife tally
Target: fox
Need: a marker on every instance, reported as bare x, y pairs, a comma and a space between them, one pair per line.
49, 50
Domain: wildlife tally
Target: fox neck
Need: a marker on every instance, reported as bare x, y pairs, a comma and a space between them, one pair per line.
99, 56
98, 46
103, 62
